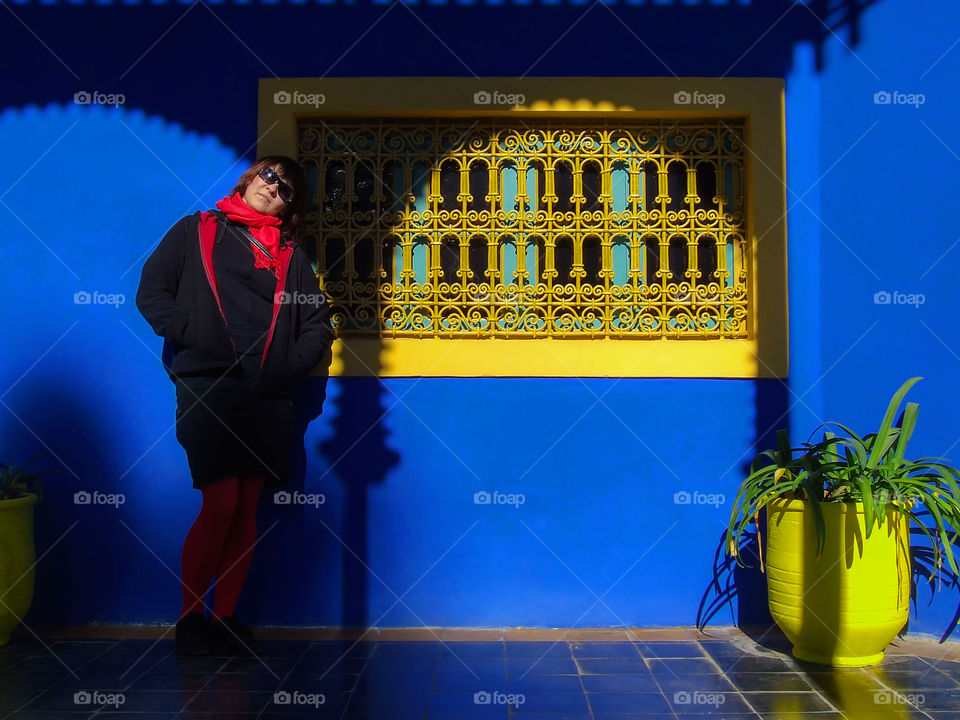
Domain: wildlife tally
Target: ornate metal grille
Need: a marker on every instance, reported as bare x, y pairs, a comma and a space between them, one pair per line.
456, 229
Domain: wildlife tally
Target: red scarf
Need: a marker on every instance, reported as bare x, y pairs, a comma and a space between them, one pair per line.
264, 228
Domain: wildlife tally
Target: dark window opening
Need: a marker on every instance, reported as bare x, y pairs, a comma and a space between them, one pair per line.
592, 261
479, 187
450, 260
563, 260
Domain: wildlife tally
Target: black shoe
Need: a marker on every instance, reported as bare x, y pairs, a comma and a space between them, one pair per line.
231, 637
193, 635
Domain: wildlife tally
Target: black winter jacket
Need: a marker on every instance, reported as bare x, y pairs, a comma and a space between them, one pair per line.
178, 297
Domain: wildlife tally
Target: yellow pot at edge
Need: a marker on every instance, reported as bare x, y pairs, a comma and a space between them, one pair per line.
17, 556
845, 608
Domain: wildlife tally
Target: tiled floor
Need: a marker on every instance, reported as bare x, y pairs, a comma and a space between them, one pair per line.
482, 675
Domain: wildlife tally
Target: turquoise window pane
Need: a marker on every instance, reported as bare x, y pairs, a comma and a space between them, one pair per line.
621, 261
508, 251
620, 187
421, 249
508, 187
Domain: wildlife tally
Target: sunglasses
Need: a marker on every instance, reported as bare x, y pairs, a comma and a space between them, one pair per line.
269, 176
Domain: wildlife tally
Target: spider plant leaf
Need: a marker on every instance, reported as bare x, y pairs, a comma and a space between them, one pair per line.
888, 418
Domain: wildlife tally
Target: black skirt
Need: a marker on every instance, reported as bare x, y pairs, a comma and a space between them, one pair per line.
229, 430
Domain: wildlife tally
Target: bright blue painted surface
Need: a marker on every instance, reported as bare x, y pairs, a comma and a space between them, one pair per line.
90, 190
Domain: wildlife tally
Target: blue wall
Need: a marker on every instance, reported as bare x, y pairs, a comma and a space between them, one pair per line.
599, 540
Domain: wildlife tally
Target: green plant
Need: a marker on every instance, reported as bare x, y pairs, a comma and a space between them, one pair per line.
15, 482
872, 469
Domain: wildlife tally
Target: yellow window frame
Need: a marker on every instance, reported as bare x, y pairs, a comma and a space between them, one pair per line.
758, 102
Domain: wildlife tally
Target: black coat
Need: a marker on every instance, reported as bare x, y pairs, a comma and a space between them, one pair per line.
178, 297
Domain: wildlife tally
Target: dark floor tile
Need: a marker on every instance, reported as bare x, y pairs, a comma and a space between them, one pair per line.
604, 650
310, 682
399, 696
230, 702
639, 703
550, 702
382, 678
472, 649
306, 701
718, 647
775, 704
771, 682
18, 699
612, 666
262, 664
20, 649
634, 716
173, 664
619, 683
404, 650
538, 649
47, 664
78, 701
754, 664
705, 683
526, 666
472, 667
714, 704
722, 714
322, 663
935, 700
466, 705
532, 684
911, 681
904, 663
794, 715
340, 648
460, 681
84, 716
29, 682
682, 666
670, 650
156, 682
545, 716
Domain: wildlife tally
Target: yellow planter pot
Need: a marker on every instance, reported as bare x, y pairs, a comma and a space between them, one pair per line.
845, 608
17, 556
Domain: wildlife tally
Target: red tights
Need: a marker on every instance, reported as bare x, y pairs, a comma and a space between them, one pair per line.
221, 543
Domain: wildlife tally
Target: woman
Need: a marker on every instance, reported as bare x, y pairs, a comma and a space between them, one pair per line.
243, 319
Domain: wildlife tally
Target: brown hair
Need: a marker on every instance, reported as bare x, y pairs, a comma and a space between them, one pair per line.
291, 173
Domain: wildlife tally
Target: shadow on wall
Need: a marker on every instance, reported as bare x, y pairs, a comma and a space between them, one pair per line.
233, 45
222, 85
